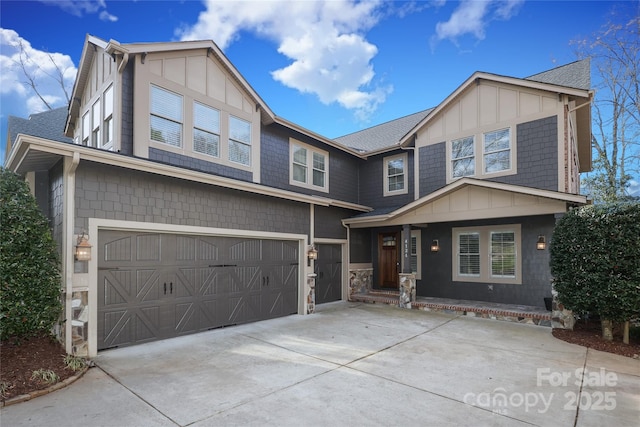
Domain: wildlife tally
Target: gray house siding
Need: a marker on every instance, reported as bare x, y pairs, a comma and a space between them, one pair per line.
432, 162
201, 165
537, 155
536, 277
328, 222
114, 193
360, 249
372, 182
126, 119
274, 164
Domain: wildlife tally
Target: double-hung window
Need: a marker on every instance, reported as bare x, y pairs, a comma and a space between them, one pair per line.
395, 175
108, 118
497, 151
86, 126
206, 130
95, 125
487, 254
166, 117
308, 166
239, 141
463, 158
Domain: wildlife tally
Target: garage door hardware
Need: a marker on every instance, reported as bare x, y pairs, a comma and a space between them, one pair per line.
223, 265
265, 280
170, 288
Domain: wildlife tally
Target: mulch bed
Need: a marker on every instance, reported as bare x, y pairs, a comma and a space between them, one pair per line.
18, 360
589, 334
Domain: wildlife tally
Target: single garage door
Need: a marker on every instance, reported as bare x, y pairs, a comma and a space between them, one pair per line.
156, 286
328, 273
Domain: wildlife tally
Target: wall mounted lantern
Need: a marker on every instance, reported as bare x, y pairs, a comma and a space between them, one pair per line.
83, 248
312, 252
541, 244
435, 246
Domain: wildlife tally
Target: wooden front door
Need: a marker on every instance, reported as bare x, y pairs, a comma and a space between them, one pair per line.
388, 260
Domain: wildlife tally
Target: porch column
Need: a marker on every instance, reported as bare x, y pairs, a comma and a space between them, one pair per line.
407, 279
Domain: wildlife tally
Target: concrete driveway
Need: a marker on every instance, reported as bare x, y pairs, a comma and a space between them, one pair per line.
349, 364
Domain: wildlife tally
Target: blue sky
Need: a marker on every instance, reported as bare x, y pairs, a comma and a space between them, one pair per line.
332, 67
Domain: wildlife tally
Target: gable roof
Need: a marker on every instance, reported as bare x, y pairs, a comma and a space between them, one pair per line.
382, 136
48, 125
576, 75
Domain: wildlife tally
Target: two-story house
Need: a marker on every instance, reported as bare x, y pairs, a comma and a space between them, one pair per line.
205, 209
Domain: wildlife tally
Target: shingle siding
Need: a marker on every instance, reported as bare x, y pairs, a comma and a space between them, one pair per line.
433, 168
537, 155
115, 193
372, 182
201, 165
328, 222
126, 120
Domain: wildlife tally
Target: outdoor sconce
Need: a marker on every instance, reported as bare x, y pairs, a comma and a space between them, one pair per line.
435, 246
541, 244
83, 248
312, 253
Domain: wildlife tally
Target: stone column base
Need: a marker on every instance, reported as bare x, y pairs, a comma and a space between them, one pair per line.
407, 290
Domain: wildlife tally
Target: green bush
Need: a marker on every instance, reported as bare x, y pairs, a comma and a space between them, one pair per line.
595, 260
29, 267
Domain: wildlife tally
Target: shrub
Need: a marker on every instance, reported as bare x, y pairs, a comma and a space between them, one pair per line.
29, 267
595, 260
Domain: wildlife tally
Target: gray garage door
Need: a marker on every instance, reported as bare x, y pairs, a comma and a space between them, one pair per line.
156, 286
329, 273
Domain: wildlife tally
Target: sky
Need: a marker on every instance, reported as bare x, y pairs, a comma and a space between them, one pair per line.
333, 67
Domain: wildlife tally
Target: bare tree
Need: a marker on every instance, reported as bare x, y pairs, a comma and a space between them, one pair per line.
615, 53
32, 76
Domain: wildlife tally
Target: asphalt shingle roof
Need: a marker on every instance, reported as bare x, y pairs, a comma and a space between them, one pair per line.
48, 125
383, 135
576, 75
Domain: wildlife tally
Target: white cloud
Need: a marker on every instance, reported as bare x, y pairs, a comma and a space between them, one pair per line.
37, 63
80, 8
324, 41
473, 16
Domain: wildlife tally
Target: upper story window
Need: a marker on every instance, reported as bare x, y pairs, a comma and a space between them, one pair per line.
463, 158
95, 125
395, 175
239, 141
487, 254
86, 126
166, 117
308, 166
206, 130
497, 151
108, 118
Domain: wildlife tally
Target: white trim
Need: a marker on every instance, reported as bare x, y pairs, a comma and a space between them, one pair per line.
95, 225
385, 175
311, 150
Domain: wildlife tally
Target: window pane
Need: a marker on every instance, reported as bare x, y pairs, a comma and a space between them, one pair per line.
318, 161
462, 148
299, 173
239, 153
495, 141
166, 104
85, 128
318, 178
206, 118
469, 254
414, 255
395, 167
166, 131
206, 142
96, 115
503, 254
396, 183
239, 130
108, 102
299, 155
464, 167
498, 161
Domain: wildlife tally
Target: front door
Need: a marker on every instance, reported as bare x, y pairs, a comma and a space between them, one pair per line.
388, 260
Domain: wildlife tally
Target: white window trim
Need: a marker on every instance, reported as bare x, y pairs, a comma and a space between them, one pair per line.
484, 154
485, 254
181, 122
473, 156
385, 167
210, 131
248, 144
478, 146
310, 150
107, 119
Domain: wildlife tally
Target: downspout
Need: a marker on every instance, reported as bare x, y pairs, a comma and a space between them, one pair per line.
123, 64
347, 262
68, 233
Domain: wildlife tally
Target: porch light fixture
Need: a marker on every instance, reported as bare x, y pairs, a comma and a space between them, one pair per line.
541, 244
312, 252
83, 248
435, 246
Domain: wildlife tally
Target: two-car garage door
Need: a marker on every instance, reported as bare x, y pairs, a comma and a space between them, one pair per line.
153, 286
